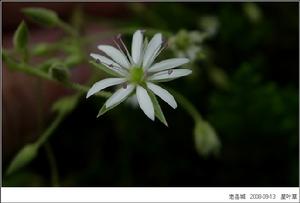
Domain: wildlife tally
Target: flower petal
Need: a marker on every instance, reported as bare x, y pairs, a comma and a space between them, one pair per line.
152, 49
119, 96
168, 64
145, 102
102, 84
115, 54
137, 46
168, 75
163, 94
110, 64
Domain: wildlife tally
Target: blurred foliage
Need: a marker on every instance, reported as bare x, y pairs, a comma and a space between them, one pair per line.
44, 17
206, 139
20, 39
244, 82
25, 155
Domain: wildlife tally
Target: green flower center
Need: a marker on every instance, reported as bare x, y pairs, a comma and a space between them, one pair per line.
136, 75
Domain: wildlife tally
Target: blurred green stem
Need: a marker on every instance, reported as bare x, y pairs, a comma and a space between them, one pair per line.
52, 164
38, 93
41, 74
43, 138
49, 152
68, 29
187, 105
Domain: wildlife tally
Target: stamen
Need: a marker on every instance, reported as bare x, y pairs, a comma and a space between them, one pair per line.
164, 45
159, 50
119, 37
145, 45
124, 85
164, 40
170, 71
118, 46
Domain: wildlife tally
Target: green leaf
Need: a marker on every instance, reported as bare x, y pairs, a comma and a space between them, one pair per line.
73, 60
206, 139
43, 49
24, 178
59, 72
42, 16
65, 104
157, 110
105, 69
20, 38
78, 18
103, 109
25, 155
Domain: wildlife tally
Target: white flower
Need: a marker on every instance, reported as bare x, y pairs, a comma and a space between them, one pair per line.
137, 73
187, 43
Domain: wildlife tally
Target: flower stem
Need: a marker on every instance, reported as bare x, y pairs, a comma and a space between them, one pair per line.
68, 29
52, 164
187, 105
39, 98
25, 68
43, 138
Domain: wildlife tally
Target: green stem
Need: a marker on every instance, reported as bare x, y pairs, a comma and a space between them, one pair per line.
34, 72
39, 98
67, 28
43, 138
25, 56
41, 74
52, 164
187, 105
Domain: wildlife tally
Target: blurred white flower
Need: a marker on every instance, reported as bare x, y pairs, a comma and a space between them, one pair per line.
137, 73
210, 24
187, 44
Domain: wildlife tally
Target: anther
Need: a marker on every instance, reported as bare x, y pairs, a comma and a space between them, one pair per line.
124, 85
164, 43
119, 36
